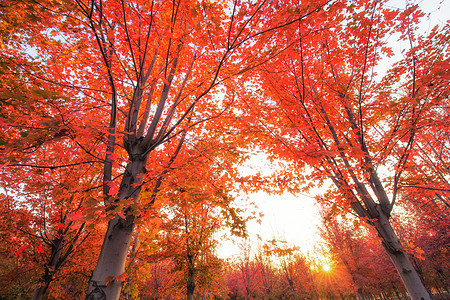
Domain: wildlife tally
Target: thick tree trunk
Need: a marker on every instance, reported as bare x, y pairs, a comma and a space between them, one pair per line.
190, 287
111, 262
104, 283
400, 259
40, 290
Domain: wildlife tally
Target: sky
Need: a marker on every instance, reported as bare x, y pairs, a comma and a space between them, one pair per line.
296, 218
291, 218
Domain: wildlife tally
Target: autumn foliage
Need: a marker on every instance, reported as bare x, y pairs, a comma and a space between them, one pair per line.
125, 126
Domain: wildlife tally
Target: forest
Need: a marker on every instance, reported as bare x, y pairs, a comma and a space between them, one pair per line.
128, 129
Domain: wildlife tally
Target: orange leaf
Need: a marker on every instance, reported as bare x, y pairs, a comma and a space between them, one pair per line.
122, 276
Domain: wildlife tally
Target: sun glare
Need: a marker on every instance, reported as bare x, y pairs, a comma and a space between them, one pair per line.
326, 268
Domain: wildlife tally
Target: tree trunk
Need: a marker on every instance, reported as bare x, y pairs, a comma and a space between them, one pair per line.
104, 283
40, 290
190, 287
50, 269
400, 259
291, 285
111, 262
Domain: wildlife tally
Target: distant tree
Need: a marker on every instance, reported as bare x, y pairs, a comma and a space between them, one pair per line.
355, 248
293, 268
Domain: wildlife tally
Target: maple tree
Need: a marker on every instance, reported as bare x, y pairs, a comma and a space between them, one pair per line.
193, 204
245, 279
50, 211
303, 276
329, 113
112, 59
49, 230
44, 176
267, 270
107, 99
294, 267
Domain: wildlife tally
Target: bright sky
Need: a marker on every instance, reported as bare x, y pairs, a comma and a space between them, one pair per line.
295, 218
287, 217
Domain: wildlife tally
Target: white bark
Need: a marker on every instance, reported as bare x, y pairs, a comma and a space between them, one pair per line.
111, 262
112, 259
400, 259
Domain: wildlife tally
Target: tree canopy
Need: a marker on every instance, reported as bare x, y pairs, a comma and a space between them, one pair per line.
131, 120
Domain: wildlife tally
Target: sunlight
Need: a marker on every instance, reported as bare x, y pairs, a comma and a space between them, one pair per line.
326, 267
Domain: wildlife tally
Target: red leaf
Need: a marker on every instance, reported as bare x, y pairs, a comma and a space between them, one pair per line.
122, 276
75, 216
21, 250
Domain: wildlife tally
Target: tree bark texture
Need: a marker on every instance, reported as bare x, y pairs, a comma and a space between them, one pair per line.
50, 269
190, 286
104, 283
400, 259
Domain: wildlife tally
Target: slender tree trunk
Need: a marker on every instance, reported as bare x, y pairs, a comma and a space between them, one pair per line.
247, 290
104, 283
50, 269
400, 259
158, 271
291, 285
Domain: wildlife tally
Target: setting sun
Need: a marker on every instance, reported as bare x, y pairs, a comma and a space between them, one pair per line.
326, 268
